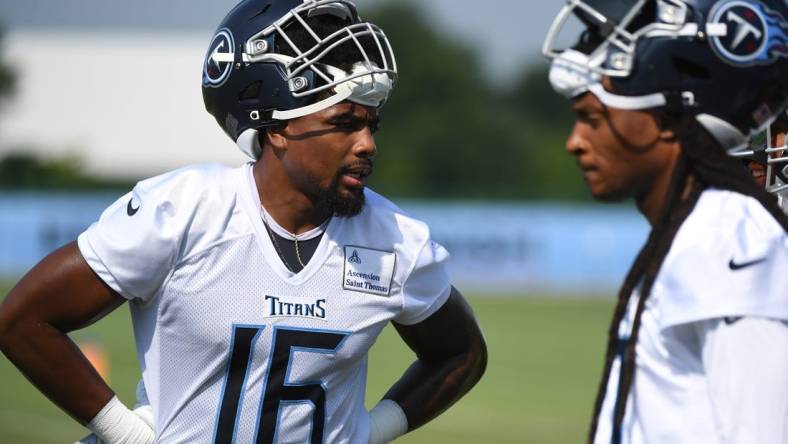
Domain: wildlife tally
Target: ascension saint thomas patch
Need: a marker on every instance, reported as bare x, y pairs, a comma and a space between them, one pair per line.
368, 271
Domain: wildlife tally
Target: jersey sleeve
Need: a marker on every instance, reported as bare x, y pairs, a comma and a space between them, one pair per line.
746, 363
427, 287
135, 243
740, 273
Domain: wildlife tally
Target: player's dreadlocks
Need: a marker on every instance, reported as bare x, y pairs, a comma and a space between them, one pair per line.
702, 164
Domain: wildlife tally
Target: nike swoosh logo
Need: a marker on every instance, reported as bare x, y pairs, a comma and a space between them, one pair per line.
131, 211
735, 266
730, 320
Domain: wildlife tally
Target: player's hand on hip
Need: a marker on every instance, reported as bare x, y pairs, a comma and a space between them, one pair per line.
116, 424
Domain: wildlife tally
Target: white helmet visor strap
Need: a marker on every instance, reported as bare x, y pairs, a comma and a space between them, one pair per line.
363, 86
625, 102
570, 77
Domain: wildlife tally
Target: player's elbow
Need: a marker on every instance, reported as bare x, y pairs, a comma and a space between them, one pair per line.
8, 327
471, 364
476, 361
472, 360
13, 327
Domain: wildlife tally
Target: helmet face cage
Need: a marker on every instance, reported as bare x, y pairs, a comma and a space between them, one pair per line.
610, 22
275, 60
259, 47
773, 157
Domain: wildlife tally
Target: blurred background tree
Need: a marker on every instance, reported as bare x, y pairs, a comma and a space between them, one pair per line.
449, 132
23, 170
7, 77
542, 121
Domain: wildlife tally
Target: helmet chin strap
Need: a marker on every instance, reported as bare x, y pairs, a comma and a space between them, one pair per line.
363, 87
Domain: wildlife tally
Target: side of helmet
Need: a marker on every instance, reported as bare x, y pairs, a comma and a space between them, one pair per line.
723, 61
233, 90
736, 80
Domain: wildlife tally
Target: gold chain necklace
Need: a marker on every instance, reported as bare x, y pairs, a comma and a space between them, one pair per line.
272, 235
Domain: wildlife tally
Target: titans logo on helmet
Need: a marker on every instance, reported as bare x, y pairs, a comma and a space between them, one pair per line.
755, 34
219, 60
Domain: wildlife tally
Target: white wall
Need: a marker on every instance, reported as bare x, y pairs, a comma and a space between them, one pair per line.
129, 103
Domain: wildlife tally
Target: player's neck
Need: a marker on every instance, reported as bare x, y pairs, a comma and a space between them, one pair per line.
651, 202
291, 209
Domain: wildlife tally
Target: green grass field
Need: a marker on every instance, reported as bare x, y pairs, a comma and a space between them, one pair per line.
545, 360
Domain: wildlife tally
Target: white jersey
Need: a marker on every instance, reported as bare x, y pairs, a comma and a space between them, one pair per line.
233, 346
729, 260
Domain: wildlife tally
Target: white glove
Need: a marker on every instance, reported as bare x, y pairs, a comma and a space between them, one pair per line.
116, 424
387, 422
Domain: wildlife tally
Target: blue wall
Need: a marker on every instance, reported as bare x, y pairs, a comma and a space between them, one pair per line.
496, 248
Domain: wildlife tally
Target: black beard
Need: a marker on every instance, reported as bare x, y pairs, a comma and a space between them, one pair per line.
341, 206
330, 198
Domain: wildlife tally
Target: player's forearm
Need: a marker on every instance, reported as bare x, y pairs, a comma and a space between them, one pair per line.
429, 388
452, 357
58, 295
56, 366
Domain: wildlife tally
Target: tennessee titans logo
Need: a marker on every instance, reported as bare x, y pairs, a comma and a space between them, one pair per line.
219, 60
755, 34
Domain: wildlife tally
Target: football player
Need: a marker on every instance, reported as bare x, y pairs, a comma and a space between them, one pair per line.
256, 292
661, 89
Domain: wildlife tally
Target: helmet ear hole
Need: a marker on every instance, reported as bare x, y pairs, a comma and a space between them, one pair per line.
690, 68
251, 92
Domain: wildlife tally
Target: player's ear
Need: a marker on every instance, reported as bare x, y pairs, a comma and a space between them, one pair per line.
276, 137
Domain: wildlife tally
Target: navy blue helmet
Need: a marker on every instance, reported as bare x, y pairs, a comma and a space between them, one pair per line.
723, 61
274, 60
